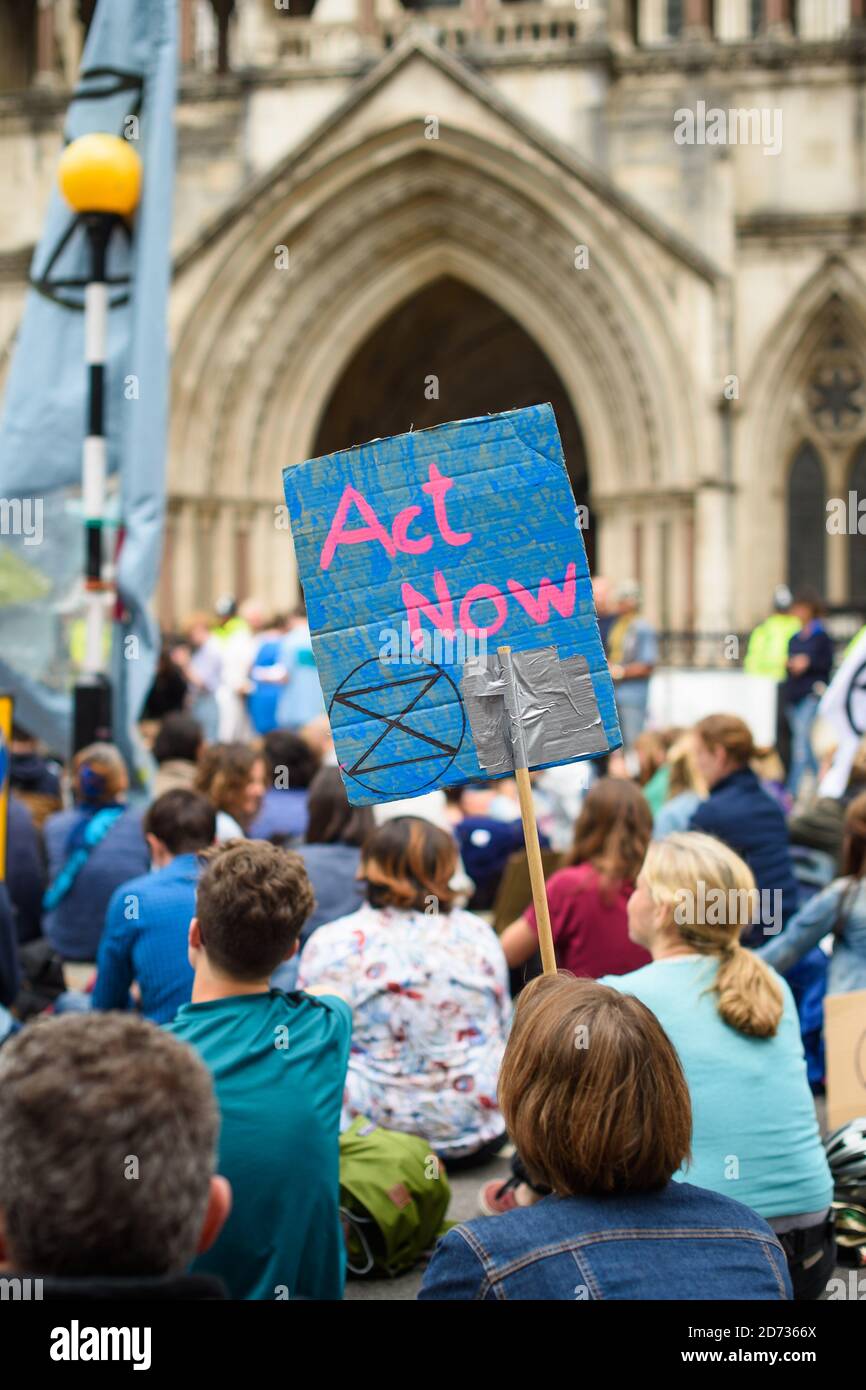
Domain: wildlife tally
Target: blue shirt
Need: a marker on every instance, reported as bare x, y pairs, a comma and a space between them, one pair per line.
819, 917
815, 642
75, 925
283, 815
639, 648
279, 1067
145, 939
264, 697
749, 820
755, 1134
679, 1243
301, 699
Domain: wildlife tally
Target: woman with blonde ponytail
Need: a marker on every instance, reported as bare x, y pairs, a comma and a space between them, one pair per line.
734, 1024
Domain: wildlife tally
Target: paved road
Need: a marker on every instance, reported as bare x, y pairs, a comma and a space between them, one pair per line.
464, 1206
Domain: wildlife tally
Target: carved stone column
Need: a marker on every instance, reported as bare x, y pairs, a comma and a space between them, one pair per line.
777, 18
696, 20
46, 45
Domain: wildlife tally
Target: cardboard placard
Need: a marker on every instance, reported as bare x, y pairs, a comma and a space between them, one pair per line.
845, 1045
417, 555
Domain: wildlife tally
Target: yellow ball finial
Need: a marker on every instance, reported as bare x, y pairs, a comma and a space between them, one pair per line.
100, 173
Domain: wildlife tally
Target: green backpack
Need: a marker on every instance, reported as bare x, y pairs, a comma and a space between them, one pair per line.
393, 1198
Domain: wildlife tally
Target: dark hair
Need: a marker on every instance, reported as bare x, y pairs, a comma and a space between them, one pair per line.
224, 769
251, 902
613, 830
331, 820
183, 820
592, 1090
82, 1094
283, 749
180, 736
407, 862
808, 597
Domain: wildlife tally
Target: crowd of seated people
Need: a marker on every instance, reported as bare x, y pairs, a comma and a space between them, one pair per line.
323, 963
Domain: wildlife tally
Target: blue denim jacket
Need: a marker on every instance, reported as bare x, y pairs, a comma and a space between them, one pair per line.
818, 917
680, 1243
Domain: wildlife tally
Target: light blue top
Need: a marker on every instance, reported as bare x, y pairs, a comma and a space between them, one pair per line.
819, 916
676, 814
754, 1129
301, 698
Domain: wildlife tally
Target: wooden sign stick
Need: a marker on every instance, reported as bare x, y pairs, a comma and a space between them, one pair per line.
533, 851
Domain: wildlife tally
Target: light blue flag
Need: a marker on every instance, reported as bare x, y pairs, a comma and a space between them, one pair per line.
126, 87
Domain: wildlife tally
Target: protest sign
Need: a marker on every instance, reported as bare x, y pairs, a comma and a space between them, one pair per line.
843, 707
845, 1040
451, 612
421, 555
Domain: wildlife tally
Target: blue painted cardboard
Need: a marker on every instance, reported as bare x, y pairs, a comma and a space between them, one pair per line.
413, 552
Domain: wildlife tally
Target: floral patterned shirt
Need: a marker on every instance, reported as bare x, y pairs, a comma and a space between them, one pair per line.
431, 1009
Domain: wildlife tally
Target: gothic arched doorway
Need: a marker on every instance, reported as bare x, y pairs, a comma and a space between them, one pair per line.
447, 353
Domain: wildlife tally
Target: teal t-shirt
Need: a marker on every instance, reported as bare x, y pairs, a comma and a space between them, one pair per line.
755, 1133
279, 1067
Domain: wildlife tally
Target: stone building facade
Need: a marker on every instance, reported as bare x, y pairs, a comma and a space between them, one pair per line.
650, 212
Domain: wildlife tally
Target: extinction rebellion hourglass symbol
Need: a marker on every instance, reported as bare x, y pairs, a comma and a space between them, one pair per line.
419, 723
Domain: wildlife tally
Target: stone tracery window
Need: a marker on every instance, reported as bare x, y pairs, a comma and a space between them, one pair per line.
836, 394
807, 532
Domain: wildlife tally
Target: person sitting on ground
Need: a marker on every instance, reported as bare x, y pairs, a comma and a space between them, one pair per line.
176, 749
91, 850
232, 777
686, 789
740, 812
588, 899
595, 1099
486, 840
820, 826
33, 779
733, 1022
291, 766
652, 748
332, 854
146, 926
108, 1132
428, 987
279, 1067
840, 909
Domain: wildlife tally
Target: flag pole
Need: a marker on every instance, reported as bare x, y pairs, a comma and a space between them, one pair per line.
100, 177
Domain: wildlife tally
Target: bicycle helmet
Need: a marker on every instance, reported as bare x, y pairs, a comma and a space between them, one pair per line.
846, 1153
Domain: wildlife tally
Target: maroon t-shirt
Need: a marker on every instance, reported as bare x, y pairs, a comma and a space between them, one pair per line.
590, 924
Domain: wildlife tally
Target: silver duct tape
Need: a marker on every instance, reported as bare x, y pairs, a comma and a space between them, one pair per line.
534, 710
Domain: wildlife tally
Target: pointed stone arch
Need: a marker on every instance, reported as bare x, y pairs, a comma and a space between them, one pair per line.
259, 349
780, 419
